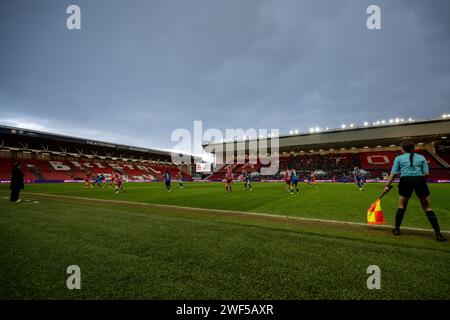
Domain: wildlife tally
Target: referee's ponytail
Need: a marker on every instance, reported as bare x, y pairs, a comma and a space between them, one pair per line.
408, 146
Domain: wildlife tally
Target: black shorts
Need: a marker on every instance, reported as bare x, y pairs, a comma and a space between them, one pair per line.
418, 184
167, 183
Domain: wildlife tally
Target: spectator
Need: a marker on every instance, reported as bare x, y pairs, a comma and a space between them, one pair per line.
16, 182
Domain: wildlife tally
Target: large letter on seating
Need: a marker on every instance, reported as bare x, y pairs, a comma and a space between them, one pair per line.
57, 165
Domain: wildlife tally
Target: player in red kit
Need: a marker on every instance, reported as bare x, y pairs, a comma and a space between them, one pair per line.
118, 181
88, 181
228, 179
111, 183
287, 179
312, 180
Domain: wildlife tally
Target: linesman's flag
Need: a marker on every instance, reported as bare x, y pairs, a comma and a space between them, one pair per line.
374, 213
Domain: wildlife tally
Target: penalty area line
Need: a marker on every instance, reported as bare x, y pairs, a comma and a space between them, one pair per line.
235, 212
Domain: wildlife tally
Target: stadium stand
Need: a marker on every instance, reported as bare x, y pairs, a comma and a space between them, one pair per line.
5, 168
5, 171
60, 170
237, 168
47, 157
339, 166
50, 157
443, 151
377, 160
331, 166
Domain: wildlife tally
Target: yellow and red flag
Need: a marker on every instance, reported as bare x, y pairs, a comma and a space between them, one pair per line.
375, 214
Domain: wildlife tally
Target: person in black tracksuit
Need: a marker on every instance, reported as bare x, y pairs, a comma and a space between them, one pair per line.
16, 182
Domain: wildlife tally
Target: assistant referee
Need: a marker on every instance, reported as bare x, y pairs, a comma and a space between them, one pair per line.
413, 169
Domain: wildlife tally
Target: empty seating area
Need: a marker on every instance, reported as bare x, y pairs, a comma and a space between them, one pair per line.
385, 159
443, 151
219, 175
432, 162
60, 170
445, 157
236, 169
377, 160
439, 174
6, 168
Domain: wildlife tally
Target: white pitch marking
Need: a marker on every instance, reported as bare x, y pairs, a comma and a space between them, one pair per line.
168, 206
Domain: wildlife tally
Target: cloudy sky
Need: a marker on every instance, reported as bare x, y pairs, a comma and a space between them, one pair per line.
138, 69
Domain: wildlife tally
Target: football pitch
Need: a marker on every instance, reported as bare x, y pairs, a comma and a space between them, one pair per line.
260, 244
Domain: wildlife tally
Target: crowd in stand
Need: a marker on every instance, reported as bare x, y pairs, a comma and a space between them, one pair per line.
329, 167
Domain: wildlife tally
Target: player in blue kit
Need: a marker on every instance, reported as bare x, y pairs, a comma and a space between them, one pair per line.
247, 179
167, 180
294, 181
99, 180
359, 178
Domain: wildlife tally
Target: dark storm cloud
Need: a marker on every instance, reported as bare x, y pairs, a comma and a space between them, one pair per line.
137, 70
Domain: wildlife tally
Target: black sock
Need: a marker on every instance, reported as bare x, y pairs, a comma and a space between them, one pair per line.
399, 217
433, 220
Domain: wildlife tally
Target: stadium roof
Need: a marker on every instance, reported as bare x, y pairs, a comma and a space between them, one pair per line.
358, 137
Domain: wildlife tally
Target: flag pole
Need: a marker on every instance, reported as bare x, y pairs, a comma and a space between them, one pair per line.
384, 192
374, 213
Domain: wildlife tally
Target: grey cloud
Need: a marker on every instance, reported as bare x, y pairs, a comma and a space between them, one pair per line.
137, 70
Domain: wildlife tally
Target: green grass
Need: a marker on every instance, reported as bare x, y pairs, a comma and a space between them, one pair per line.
331, 201
142, 252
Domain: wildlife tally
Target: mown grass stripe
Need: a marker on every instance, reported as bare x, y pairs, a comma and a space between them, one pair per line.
194, 209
